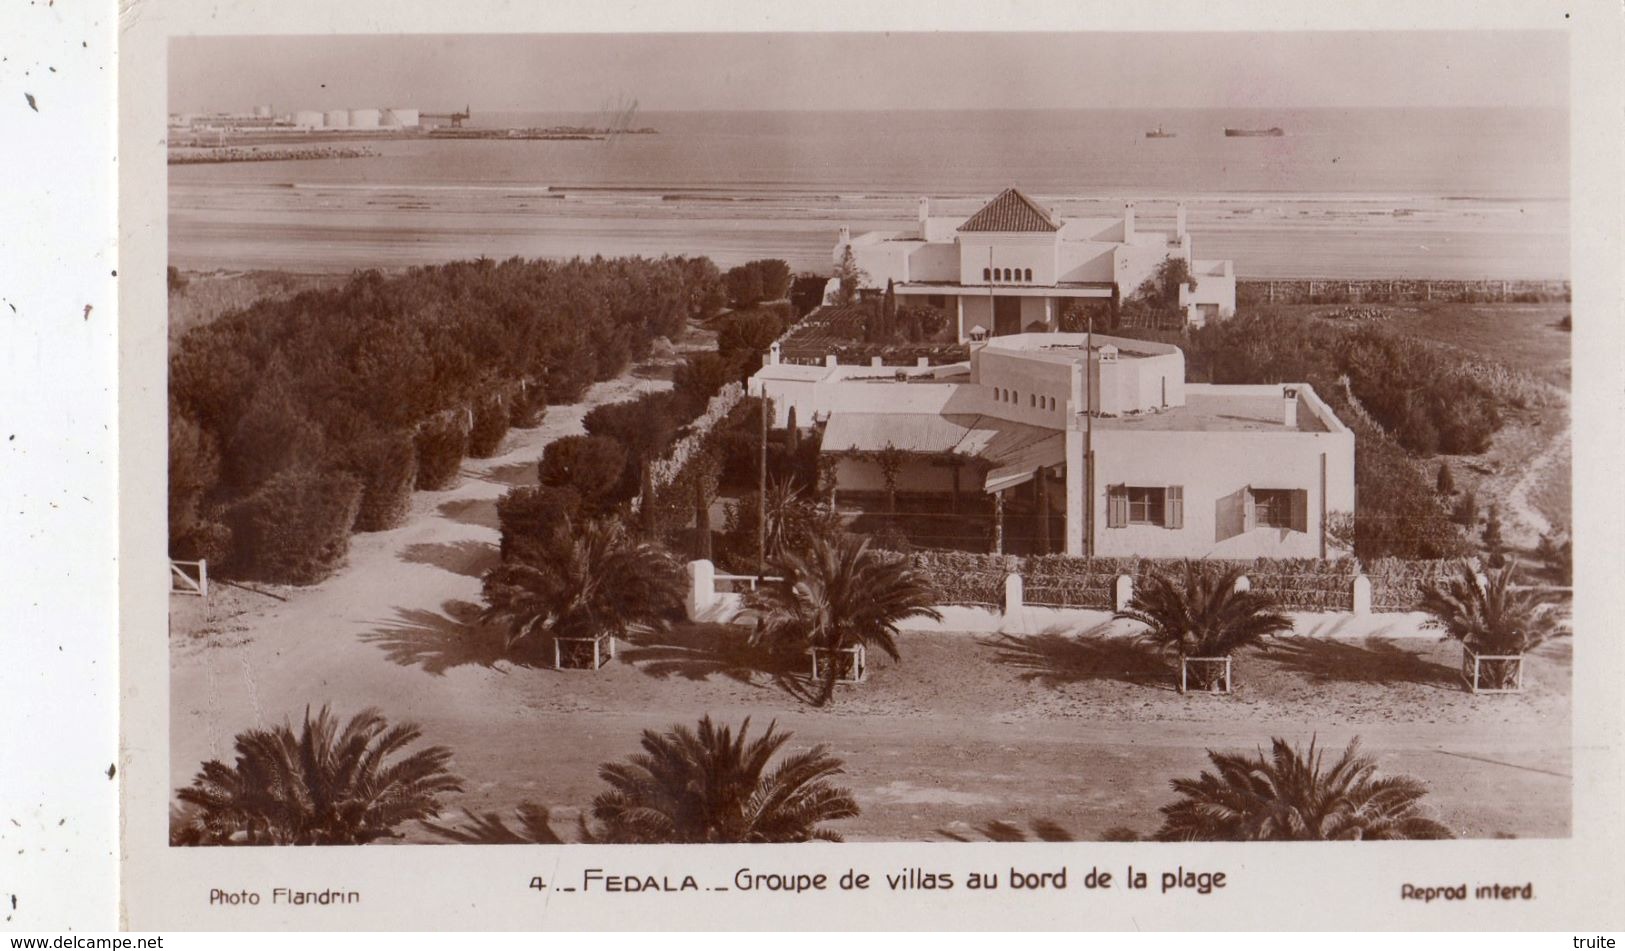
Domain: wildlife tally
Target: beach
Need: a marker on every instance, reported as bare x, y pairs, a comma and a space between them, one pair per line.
1344, 194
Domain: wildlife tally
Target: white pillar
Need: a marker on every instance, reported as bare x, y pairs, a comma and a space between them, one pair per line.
1123, 592
1015, 619
1362, 594
1076, 499
702, 588
1244, 583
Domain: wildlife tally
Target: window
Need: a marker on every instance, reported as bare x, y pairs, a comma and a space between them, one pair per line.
987, 274
1052, 402
1145, 505
1007, 275
1015, 397
1280, 508
1029, 273
1162, 506
1031, 401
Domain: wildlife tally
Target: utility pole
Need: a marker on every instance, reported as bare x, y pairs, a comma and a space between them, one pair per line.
1089, 439
761, 494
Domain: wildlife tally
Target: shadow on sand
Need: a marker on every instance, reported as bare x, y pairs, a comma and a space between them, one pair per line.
1055, 656
437, 641
532, 826
699, 652
1372, 660
512, 474
997, 830
481, 512
470, 558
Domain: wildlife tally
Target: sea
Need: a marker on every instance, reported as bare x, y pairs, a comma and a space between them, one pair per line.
1343, 193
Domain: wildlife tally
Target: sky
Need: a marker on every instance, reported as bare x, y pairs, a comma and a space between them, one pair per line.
777, 71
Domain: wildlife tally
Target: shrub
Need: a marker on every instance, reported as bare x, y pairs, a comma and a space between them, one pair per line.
387, 467
273, 434
1446, 482
698, 379
1397, 584
296, 528
1465, 512
490, 425
529, 514
194, 468
744, 286
745, 336
441, 444
591, 465
528, 405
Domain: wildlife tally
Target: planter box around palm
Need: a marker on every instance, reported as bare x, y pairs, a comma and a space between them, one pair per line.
1495, 622
1209, 674
852, 664
1491, 673
1203, 618
582, 653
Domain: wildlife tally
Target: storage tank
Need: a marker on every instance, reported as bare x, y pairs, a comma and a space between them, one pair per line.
307, 119
336, 119
364, 118
405, 118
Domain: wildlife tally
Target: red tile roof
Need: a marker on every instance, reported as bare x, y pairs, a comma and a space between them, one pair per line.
1011, 211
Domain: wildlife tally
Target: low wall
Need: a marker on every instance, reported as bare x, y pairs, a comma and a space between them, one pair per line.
1317, 291
1014, 614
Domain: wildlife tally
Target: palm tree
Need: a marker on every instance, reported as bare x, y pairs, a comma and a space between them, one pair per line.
713, 786
323, 786
582, 584
839, 594
1489, 617
1203, 615
1288, 796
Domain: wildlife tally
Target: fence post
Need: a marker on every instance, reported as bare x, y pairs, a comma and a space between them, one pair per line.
1122, 592
203, 577
1014, 617
1362, 594
702, 587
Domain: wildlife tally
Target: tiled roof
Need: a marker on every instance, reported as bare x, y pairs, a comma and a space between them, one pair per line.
1011, 211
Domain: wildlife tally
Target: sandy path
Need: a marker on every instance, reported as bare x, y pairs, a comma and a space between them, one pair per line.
1528, 524
321, 645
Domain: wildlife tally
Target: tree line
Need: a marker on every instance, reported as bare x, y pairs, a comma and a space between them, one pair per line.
296, 421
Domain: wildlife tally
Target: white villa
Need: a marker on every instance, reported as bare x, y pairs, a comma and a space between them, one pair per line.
1014, 266
1104, 450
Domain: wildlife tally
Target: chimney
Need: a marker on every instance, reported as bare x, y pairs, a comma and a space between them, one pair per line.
925, 212
844, 238
1128, 222
1290, 415
1179, 221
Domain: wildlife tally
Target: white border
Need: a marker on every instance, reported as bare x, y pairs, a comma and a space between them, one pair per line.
1286, 886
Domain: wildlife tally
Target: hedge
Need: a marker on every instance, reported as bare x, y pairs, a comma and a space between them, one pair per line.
387, 468
1297, 584
490, 425
1397, 584
531, 512
528, 406
591, 465
441, 443
296, 527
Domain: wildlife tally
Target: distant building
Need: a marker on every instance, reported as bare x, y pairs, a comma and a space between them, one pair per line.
1179, 469
1013, 266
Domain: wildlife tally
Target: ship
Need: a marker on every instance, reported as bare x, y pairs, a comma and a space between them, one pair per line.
1271, 132
1157, 133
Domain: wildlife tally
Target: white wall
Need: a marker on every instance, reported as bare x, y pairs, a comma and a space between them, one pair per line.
1216, 466
932, 261
1036, 251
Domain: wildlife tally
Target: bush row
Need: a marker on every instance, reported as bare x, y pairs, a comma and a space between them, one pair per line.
386, 384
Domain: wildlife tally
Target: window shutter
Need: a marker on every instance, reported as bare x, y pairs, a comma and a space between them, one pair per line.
1117, 507
1249, 512
1300, 510
1173, 507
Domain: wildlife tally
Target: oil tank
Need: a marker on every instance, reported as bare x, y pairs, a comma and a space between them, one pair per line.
336, 119
307, 119
364, 118
404, 118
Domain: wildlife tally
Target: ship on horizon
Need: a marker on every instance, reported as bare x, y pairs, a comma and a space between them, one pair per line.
1271, 132
1158, 133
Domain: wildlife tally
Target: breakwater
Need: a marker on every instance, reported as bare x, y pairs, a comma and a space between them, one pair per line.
214, 156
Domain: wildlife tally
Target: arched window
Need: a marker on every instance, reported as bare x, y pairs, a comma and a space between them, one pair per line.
1052, 402
1007, 274
1029, 273
1032, 401
987, 274
1015, 397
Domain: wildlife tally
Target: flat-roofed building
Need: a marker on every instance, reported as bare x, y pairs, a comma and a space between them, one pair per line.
1014, 266
1100, 441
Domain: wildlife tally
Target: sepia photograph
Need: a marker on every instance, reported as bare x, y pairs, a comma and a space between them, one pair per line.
672, 438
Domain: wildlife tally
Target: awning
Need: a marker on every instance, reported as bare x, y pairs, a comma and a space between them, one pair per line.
1013, 451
